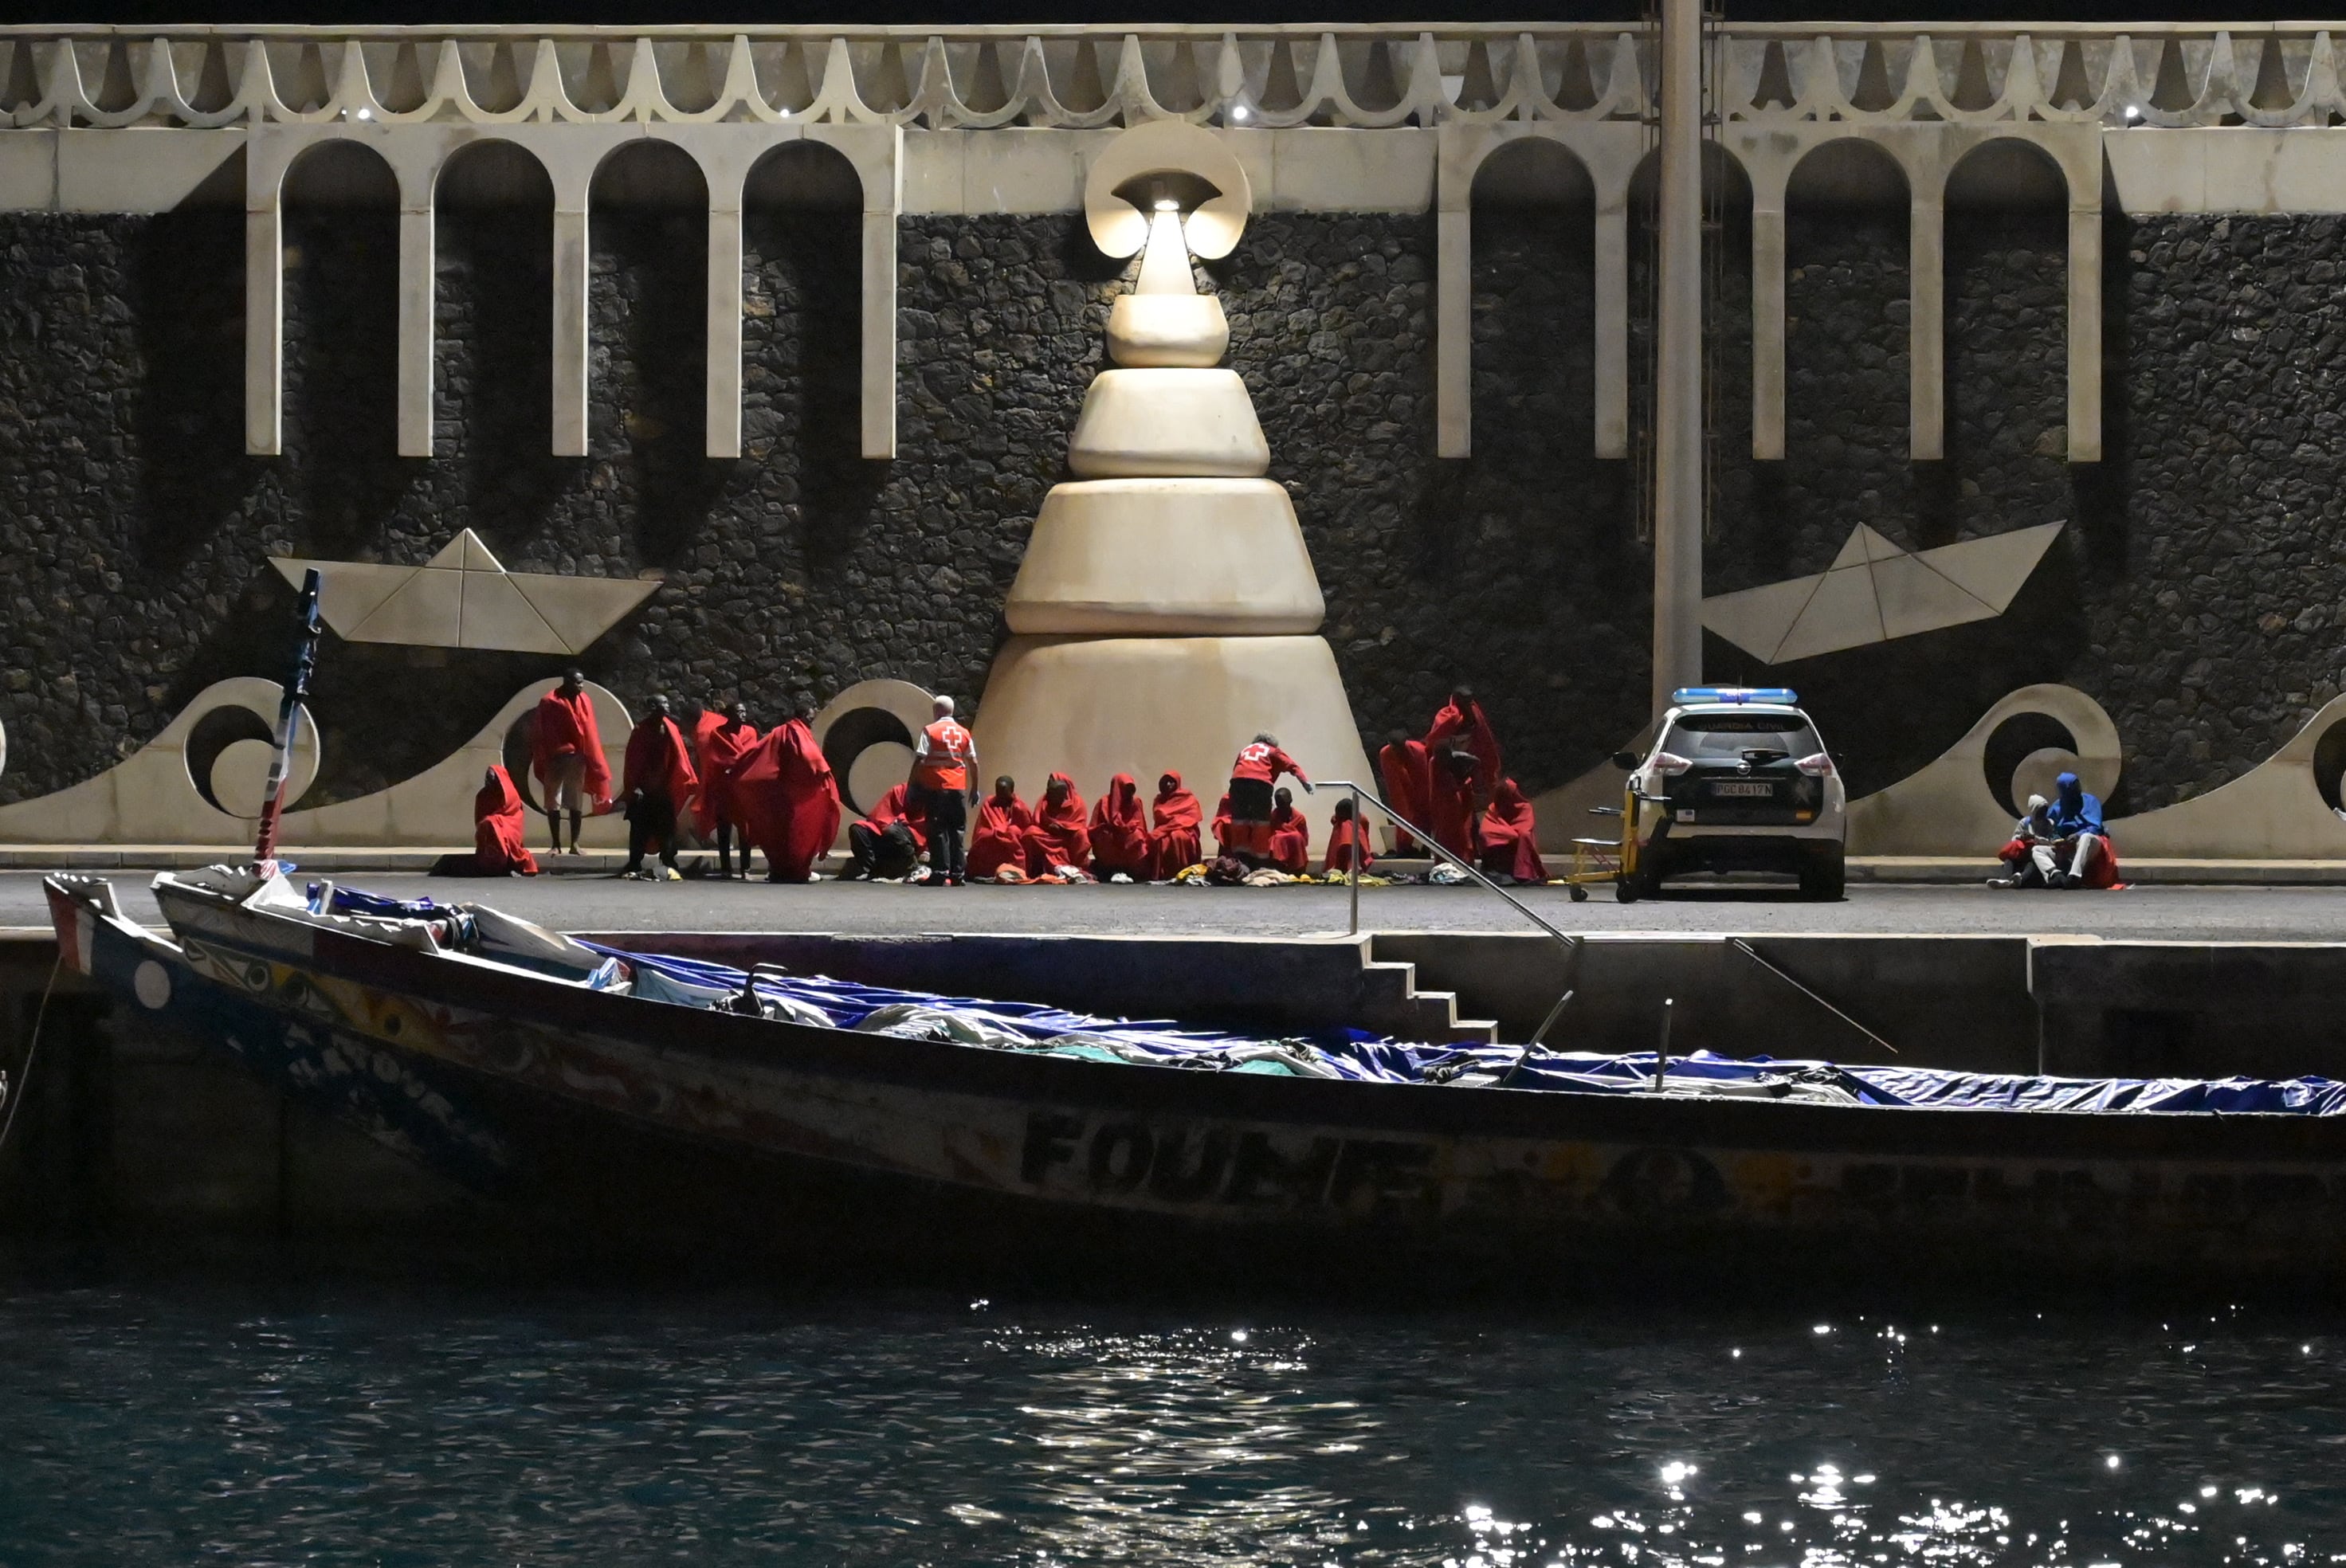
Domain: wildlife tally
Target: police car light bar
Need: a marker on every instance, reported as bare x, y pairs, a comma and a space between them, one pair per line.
1782, 695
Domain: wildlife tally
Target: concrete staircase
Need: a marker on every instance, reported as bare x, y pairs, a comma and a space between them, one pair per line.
1388, 991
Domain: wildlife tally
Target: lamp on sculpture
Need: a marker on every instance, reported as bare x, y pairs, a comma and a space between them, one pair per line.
1166, 608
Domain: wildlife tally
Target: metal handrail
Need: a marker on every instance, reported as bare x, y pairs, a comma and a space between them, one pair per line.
1748, 951
1570, 941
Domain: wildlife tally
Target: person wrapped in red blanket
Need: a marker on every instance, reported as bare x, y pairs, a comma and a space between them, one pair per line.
719, 741
1460, 723
1119, 832
660, 782
1344, 838
1060, 836
1510, 839
565, 753
1407, 769
887, 846
788, 801
1291, 836
498, 846
1450, 806
1173, 838
999, 839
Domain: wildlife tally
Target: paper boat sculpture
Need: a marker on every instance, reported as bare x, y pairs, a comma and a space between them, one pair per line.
1874, 592
462, 598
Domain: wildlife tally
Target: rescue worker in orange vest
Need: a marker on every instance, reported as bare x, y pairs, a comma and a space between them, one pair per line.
945, 774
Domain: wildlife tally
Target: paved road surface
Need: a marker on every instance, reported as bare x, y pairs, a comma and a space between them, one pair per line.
603, 904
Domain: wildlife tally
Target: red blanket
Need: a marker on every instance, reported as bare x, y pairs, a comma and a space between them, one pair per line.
896, 806
1450, 811
999, 837
788, 800
1291, 840
566, 726
1510, 836
497, 823
1407, 771
1120, 831
1468, 727
1173, 841
719, 745
1060, 836
1341, 839
658, 762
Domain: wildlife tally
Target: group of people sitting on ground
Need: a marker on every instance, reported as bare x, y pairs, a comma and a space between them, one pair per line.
775, 793
2060, 843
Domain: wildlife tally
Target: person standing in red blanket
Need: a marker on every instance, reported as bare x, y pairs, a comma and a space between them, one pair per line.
1344, 838
788, 801
1004, 823
1510, 839
1060, 836
887, 846
1119, 834
1291, 836
1259, 763
719, 742
1406, 767
1460, 723
499, 847
657, 784
565, 753
1450, 809
1173, 845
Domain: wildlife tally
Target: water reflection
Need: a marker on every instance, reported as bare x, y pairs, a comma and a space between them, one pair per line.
156, 1426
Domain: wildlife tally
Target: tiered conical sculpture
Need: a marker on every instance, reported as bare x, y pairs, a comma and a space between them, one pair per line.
1166, 609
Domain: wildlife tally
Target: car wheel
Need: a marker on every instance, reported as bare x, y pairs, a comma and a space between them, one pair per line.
1825, 877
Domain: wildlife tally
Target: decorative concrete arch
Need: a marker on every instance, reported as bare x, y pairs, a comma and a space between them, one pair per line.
570, 152
269, 156
733, 164
727, 153
1516, 149
1924, 349
1927, 151
2075, 151
419, 285
1608, 151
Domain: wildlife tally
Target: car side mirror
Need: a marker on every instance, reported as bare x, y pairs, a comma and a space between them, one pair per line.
1626, 760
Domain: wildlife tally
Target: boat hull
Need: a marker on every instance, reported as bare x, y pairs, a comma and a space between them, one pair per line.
968, 1150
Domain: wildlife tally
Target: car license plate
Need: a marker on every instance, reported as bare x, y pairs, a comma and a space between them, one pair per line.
1739, 788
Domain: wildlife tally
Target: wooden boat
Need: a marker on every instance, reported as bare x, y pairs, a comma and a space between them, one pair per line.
533, 1078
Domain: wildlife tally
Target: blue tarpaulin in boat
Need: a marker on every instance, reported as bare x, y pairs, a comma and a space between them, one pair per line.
1352, 1054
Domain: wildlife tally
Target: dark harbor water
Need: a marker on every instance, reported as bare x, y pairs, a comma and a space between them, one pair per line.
164, 1425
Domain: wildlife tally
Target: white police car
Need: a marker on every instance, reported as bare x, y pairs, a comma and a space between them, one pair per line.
1739, 780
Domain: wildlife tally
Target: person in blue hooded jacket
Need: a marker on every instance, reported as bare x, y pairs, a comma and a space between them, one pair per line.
2082, 858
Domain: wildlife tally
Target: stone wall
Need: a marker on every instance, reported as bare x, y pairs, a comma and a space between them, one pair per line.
2193, 593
